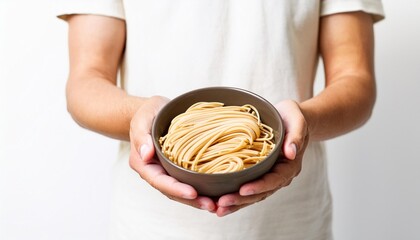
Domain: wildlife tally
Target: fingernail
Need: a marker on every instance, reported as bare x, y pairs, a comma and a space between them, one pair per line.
189, 196
203, 207
294, 150
248, 192
143, 150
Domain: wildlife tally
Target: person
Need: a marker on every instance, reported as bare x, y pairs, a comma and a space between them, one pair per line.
129, 58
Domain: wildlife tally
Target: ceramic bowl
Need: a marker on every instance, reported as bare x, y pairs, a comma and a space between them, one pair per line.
215, 185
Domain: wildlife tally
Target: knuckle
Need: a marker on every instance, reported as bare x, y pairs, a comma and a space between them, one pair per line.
283, 181
299, 140
278, 181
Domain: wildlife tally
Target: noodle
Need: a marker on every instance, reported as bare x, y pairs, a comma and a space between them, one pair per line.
212, 138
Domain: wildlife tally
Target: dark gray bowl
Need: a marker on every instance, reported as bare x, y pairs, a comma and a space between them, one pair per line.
215, 185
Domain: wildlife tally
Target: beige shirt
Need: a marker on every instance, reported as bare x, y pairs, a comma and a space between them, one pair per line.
266, 46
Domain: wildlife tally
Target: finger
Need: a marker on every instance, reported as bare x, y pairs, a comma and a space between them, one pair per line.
200, 202
233, 202
157, 178
152, 172
281, 175
234, 199
223, 211
295, 126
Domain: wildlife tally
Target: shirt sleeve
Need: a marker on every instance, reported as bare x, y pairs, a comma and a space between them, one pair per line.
110, 8
373, 7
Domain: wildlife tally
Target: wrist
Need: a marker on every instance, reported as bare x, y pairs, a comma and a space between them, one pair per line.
310, 118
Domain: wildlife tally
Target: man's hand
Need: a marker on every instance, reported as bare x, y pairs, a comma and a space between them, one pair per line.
143, 162
282, 174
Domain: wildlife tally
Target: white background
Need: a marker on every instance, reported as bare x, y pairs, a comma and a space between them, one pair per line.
55, 177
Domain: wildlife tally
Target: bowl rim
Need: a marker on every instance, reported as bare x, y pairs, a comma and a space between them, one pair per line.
241, 172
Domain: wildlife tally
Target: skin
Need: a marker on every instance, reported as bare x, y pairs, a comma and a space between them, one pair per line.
96, 45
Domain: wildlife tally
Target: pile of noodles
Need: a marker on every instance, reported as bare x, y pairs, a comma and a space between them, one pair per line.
212, 138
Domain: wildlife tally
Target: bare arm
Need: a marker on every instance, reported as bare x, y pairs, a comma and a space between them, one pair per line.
96, 103
346, 46
96, 45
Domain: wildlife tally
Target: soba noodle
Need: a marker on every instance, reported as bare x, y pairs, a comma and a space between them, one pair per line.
212, 138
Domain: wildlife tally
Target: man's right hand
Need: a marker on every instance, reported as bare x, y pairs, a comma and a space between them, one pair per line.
143, 161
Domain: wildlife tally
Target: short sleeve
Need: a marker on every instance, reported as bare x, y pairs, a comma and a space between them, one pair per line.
373, 7
111, 8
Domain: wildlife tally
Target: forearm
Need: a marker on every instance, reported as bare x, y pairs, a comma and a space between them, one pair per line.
342, 107
98, 105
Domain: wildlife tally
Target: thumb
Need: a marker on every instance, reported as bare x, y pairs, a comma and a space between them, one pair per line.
140, 136
146, 150
141, 126
295, 128
290, 150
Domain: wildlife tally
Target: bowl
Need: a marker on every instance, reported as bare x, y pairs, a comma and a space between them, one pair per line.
215, 185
